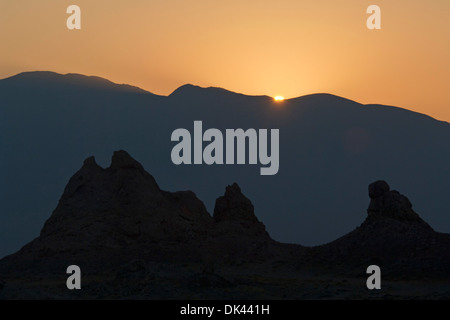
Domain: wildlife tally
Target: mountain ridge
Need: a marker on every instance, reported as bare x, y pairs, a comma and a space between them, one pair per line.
77, 79
189, 89
97, 82
329, 148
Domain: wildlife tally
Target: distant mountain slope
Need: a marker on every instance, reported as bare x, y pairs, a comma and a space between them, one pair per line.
330, 149
47, 80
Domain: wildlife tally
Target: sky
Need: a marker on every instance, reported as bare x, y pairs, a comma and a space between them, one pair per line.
256, 47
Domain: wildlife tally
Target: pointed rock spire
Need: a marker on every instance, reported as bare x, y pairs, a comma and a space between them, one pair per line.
233, 205
121, 159
236, 211
90, 162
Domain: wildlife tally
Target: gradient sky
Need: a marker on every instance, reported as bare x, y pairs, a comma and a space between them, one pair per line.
283, 47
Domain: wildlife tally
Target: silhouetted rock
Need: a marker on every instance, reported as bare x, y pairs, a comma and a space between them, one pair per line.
115, 214
389, 204
233, 205
121, 159
133, 240
393, 236
378, 189
234, 213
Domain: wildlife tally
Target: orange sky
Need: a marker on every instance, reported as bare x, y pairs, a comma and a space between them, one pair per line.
283, 47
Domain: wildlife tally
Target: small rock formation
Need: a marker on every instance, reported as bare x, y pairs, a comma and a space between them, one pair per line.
389, 203
234, 212
392, 235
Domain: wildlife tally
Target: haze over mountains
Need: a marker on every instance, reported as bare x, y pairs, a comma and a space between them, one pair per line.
331, 148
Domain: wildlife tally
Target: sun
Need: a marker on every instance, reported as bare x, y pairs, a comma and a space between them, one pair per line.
278, 98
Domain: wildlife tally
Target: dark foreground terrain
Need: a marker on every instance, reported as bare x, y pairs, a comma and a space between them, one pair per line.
133, 240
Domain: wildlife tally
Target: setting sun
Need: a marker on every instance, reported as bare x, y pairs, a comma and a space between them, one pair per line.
279, 98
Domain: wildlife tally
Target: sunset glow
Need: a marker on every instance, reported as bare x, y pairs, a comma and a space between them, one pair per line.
279, 98
321, 46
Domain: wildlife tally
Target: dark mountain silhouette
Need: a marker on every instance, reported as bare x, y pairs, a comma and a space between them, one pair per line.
330, 147
47, 81
133, 240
